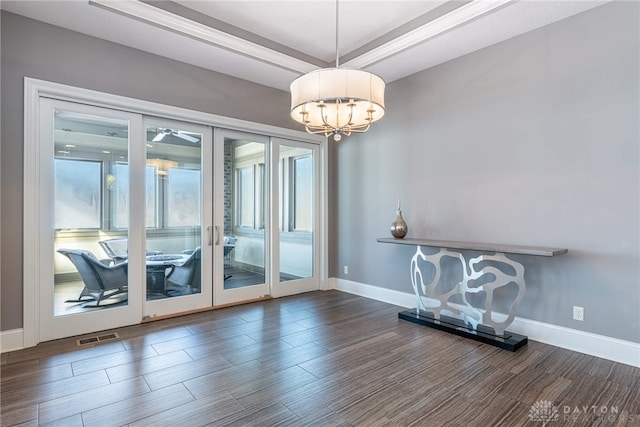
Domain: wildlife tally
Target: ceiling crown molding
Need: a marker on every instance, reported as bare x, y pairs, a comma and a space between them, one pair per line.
161, 18
178, 24
446, 22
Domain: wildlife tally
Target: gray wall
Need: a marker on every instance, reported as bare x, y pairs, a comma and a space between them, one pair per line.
533, 141
34, 49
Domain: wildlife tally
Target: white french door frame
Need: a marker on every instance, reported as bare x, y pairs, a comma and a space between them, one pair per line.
166, 306
278, 288
227, 296
272, 286
52, 326
34, 90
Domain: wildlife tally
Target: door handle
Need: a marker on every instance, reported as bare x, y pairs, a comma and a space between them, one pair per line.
209, 235
217, 235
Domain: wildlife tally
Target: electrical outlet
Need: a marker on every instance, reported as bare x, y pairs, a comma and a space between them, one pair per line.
578, 313
346, 269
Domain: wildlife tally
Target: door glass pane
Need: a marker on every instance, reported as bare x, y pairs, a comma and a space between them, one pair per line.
121, 196
246, 197
296, 185
78, 202
302, 193
244, 216
174, 214
87, 274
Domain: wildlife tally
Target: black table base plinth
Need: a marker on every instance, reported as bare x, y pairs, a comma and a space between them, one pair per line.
508, 341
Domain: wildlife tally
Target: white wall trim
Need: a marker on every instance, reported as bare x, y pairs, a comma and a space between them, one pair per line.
31, 219
35, 88
626, 352
11, 340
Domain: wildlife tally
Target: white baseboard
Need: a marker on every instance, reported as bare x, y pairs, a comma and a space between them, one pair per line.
11, 340
626, 352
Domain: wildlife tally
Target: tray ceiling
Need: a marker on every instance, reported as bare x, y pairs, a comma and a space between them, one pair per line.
272, 42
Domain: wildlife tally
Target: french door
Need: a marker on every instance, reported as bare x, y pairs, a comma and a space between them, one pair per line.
266, 227
128, 234
88, 189
178, 216
125, 219
296, 254
242, 231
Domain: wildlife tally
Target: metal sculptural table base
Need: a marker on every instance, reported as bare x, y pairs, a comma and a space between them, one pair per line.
508, 341
481, 276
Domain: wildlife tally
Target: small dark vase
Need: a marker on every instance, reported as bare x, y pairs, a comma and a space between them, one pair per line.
399, 227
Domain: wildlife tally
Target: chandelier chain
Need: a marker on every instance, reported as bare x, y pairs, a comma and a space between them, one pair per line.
337, 34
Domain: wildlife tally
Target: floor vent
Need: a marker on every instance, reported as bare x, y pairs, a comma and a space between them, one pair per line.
97, 339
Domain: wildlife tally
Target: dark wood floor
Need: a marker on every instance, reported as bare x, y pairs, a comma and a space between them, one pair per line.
321, 359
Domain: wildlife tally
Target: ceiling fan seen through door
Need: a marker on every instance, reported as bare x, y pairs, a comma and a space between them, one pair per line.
162, 132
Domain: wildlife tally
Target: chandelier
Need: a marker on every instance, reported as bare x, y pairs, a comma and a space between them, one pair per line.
337, 101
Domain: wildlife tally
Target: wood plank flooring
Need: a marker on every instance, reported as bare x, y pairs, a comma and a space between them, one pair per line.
317, 359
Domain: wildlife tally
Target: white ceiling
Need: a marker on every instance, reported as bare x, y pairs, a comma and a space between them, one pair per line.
272, 42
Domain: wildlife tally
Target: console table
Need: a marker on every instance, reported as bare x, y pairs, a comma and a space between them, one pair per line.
482, 274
